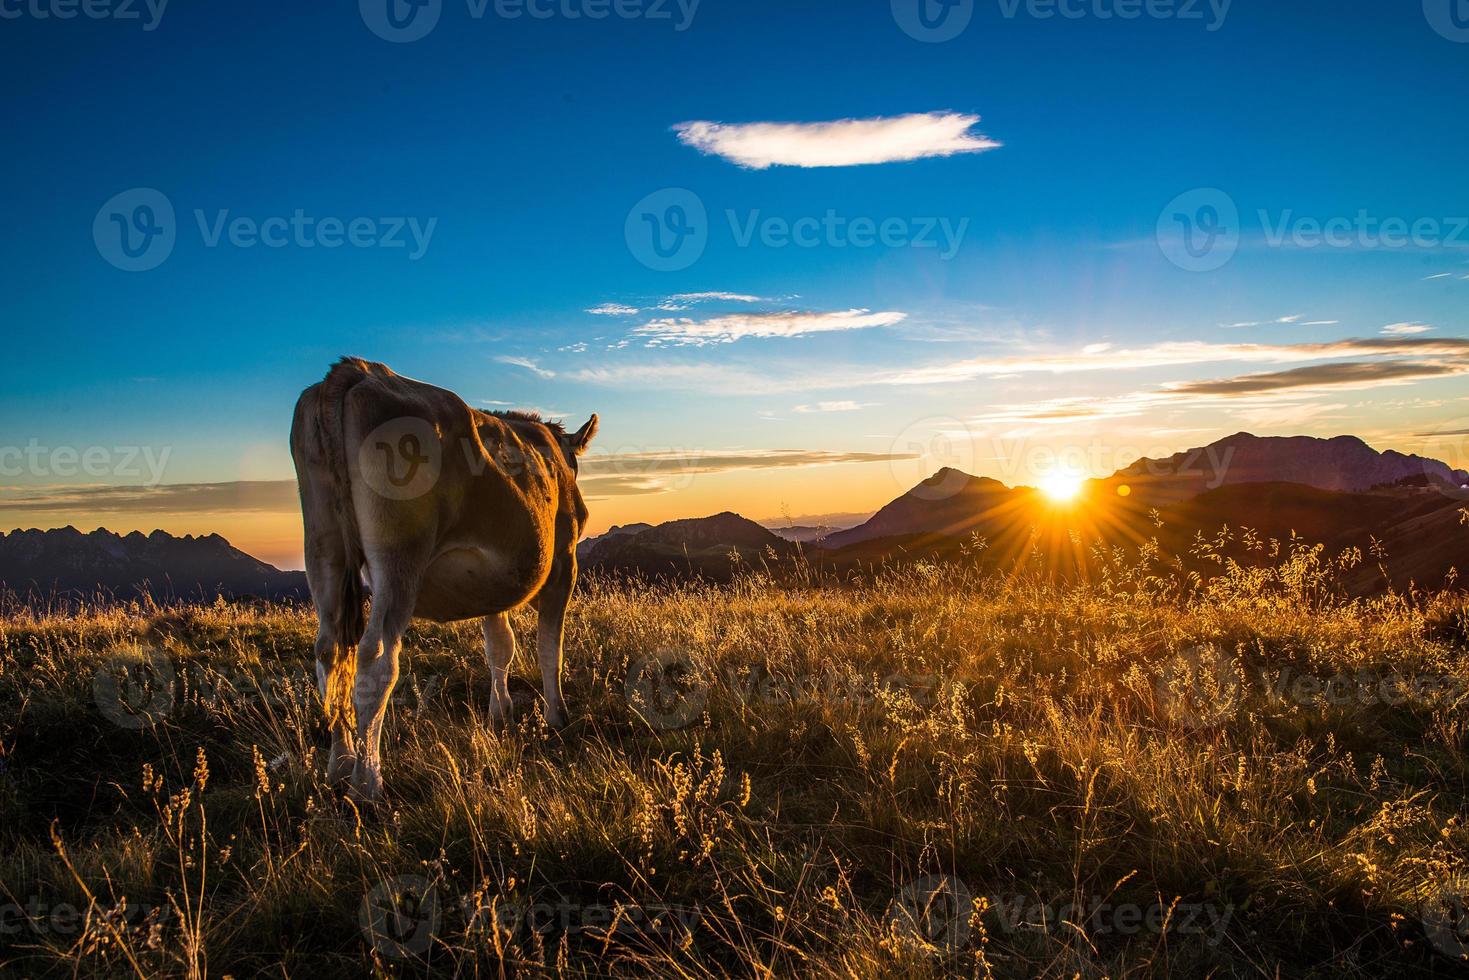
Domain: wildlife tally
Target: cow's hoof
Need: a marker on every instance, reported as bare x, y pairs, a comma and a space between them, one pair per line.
367, 784
339, 769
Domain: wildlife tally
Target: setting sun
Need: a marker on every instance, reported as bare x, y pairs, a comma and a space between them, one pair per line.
1062, 486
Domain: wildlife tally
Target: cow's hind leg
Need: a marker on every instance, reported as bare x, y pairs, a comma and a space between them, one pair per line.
336, 592
377, 668
338, 601
500, 652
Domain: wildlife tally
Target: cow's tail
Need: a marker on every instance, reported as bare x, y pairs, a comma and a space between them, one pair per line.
351, 614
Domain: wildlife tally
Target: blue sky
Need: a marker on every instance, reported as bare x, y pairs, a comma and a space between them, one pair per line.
1058, 320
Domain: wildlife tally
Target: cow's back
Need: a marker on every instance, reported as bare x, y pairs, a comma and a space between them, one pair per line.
441, 490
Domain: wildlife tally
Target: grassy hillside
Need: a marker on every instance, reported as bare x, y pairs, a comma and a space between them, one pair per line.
926, 773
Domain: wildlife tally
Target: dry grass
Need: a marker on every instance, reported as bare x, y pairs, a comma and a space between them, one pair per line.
1128, 777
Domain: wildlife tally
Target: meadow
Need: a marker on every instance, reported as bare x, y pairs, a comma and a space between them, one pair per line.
922, 771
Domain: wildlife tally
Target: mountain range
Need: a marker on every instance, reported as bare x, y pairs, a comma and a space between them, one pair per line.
65, 563
1339, 492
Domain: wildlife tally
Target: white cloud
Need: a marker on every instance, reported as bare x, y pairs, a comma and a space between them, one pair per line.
1294, 320
737, 326
1404, 329
528, 364
843, 143
837, 406
704, 297
676, 303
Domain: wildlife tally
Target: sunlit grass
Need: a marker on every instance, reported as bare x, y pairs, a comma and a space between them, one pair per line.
1164, 747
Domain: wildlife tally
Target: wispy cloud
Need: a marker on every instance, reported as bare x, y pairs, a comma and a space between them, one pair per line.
1179, 353
706, 297
1294, 320
842, 143
660, 471
836, 406
1404, 329
1356, 374
271, 496
527, 363
676, 302
739, 326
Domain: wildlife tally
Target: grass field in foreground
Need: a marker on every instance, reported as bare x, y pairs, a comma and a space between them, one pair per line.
927, 772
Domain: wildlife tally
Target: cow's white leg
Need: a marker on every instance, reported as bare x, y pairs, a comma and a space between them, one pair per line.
554, 599
377, 674
499, 652
326, 574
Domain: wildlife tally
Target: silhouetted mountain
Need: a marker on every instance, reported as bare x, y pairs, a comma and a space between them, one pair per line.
1344, 463
67, 562
699, 546
951, 503
1410, 532
584, 548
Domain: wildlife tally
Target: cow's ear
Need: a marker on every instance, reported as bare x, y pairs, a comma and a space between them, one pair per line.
584, 436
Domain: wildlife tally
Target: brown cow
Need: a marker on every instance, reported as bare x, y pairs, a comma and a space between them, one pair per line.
450, 513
